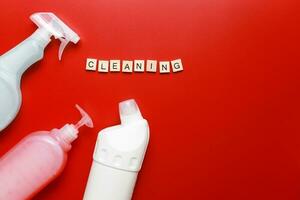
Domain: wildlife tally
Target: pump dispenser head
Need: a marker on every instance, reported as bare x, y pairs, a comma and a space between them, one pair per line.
85, 120
69, 132
50, 24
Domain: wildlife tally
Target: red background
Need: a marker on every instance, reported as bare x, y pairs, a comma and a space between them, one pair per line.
227, 127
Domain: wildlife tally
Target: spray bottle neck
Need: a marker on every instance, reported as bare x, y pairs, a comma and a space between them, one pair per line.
42, 35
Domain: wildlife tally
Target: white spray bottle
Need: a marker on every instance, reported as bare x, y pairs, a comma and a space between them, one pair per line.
118, 156
15, 62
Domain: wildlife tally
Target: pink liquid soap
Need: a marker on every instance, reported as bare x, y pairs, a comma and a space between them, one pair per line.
37, 160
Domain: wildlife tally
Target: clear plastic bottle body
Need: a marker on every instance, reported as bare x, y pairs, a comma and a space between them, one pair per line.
31, 165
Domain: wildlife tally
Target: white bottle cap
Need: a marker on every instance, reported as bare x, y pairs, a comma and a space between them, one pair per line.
129, 111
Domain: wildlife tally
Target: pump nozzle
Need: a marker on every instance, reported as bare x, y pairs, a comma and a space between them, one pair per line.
85, 120
69, 132
54, 26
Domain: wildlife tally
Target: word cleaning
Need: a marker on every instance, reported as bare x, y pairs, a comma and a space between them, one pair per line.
129, 66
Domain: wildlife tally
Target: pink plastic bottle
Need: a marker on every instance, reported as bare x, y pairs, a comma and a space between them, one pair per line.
37, 160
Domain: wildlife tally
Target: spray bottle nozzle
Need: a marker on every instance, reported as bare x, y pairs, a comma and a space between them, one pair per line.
85, 120
54, 26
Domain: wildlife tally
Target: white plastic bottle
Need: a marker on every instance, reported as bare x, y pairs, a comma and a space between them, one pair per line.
15, 62
118, 156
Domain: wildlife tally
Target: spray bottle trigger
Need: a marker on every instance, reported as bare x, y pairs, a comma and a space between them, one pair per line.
62, 47
53, 26
85, 120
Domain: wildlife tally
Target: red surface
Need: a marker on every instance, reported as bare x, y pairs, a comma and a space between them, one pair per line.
225, 128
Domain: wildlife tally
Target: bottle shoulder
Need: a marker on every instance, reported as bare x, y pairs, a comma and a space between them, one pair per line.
129, 137
45, 138
123, 146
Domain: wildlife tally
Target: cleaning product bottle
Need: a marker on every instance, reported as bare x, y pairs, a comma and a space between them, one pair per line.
36, 160
118, 156
14, 63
